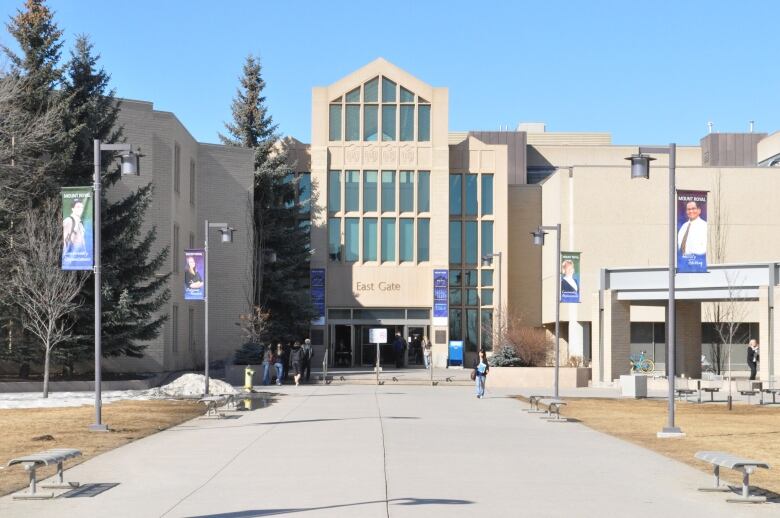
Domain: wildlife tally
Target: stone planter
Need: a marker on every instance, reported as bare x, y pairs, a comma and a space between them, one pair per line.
537, 377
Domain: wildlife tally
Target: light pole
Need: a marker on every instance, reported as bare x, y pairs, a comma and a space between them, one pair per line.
640, 168
227, 237
539, 241
487, 260
129, 167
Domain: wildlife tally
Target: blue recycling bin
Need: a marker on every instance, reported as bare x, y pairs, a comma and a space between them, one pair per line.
455, 356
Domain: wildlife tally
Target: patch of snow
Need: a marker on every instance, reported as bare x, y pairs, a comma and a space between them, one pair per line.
190, 385
186, 386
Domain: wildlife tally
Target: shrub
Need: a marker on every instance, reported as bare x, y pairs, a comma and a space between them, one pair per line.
505, 357
531, 345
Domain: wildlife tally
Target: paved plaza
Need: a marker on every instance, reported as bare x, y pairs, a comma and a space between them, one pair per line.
386, 451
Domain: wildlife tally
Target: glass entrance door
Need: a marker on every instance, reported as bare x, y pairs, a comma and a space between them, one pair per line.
415, 354
343, 346
368, 349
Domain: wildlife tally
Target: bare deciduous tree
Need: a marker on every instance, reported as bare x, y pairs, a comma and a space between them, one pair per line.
46, 294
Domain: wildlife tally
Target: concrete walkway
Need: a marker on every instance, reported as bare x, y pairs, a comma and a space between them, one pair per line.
388, 451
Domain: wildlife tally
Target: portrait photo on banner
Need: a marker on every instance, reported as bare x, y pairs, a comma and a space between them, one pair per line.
570, 277
77, 225
194, 275
691, 231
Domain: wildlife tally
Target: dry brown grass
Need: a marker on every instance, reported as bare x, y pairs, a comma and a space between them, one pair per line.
128, 420
750, 431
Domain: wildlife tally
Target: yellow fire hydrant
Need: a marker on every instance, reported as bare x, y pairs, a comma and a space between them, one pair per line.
248, 372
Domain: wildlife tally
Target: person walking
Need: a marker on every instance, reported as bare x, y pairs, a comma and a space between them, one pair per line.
285, 360
426, 348
268, 360
278, 363
296, 360
752, 357
398, 348
481, 369
308, 354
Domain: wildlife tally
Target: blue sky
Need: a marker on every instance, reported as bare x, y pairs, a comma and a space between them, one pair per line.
649, 72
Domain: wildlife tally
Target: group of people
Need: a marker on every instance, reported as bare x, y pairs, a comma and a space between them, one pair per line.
420, 346
283, 357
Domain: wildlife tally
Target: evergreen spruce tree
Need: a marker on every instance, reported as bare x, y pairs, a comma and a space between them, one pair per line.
282, 287
132, 294
37, 170
79, 98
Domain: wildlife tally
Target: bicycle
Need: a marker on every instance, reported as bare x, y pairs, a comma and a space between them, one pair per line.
641, 363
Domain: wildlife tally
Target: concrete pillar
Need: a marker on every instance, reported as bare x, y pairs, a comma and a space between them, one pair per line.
768, 334
611, 340
576, 339
688, 338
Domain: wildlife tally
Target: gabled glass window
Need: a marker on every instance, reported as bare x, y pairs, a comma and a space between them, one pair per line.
424, 123
406, 96
388, 191
370, 122
424, 191
369, 239
353, 122
334, 191
406, 240
351, 239
388, 122
371, 91
351, 191
353, 96
406, 191
369, 191
407, 122
388, 239
388, 91
334, 132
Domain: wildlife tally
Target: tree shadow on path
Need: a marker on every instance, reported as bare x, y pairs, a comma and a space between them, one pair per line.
250, 513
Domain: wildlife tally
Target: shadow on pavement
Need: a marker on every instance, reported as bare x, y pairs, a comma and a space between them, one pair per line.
393, 501
189, 428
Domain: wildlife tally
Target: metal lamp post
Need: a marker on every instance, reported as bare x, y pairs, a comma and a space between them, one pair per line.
539, 241
487, 260
227, 237
640, 168
129, 167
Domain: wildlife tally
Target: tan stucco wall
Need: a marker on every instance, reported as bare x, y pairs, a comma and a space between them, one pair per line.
525, 282
618, 222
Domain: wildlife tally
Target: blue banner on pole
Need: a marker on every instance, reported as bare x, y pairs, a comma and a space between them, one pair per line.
692, 231
440, 297
194, 276
77, 228
570, 277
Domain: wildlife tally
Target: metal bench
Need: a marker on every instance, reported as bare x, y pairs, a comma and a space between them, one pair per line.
533, 404
772, 391
720, 459
710, 387
553, 408
749, 390
45, 458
